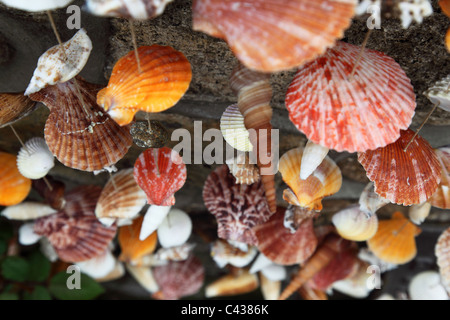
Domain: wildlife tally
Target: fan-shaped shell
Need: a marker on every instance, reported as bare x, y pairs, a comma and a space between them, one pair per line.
406, 178
353, 224
27, 210
442, 253
274, 35
394, 241
164, 78
324, 181
358, 114
233, 129
175, 229
243, 170
160, 173
14, 187
36, 5
75, 232
232, 284
237, 207
441, 198
439, 93
77, 131
35, 160
127, 9
13, 107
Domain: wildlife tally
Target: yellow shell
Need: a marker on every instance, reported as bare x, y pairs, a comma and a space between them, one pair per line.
353, 224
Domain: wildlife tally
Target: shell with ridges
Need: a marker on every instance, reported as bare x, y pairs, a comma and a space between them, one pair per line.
127, 9
233, 129
14, 187
35, 160
353, 224
441, 198
27, 210
13, 107
442, 253
36, 5
244, 171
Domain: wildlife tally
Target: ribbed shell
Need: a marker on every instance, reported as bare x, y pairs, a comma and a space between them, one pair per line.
324, 181
36, 5
75, 232
274, 35
13, 107
160, 173
127, 9
243, 170
361, 114
27, 210
237, 208
439, 93
35, 160
165, 77
405, 178
14, 187
83, 138
442, 252
233, 129
353, 224
313, 156
441, 198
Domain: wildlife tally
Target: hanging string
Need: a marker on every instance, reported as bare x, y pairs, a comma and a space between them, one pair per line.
358, 60
133, 39
112, 180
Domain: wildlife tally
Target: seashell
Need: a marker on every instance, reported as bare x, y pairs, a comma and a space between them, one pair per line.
254, 95
121, 198
394, 241
270, 289
369, 201
401, 177
439, 93
164, 78
83, 237
27, 236
35, 160
358, 114
313, 155
231, 284
260, 263
54, 196
368, 256
160, 173
283, 247
179, 279
14, 187
116, 273
274, 35
353, 224
132, 248
241, 168
426, 285
237, 207
13, 107
224, 253
274, 272
178, 253
28, 210
419, 212
127, 9
144, 276
294, 216
447, 40
77, 131
441, 197
47, 249
149, 134
36, 5
445, 7
98, 267
324, 181
61, 62
442, 253
355, 286
233, 129
175, 229
153, 218
310, 294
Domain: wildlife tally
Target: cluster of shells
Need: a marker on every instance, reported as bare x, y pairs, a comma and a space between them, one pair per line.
343, 97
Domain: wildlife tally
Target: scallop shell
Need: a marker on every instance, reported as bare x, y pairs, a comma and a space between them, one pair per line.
394, 241
160, 173
99, 266
419, 212
353, 224
27, 210
165, 77
127, 9
224, 253
61, 62
175, 229
442, 253
54, 196
121, 198
77, 132
230, 284
369, 201
35, 160
324, 181
313, 155
426, 285
13, 107
243, 170
361, 114
74, 232
233, 129
237, 207
439, 93
441, 198
14, 187
401, 177
36, 5
274, 35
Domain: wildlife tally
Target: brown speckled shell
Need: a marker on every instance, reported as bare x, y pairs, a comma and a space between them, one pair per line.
13, 107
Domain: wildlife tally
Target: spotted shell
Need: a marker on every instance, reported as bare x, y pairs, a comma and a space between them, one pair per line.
35, 160
14, 187
13, 107
36, 5
442, 253
127, 9
353, 224
441, 198
233, 129
439, 93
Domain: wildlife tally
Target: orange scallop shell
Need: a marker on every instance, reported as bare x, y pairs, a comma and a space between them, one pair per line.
394, 241
441, 198
164, 78
405, 178
13, 107
14, 187
274, 35
442, 252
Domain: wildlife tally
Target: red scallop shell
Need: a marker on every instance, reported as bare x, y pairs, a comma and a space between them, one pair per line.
361, 114
441, 198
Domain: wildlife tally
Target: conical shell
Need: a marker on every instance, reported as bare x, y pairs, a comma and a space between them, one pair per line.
14, 187
27, 210
153, 218
358, 114
13, 107
54, 196
231, 285
164, 78
35, 160
175, 229
394, 241
270, 289
274, 35
75, 232
369, 201
233, 129
405, 178
442, 253
313, 156
243, 170
36, 5
441, 198
224, 253
144, 276
61, 62
353, 224
324, 181
160, 173
237, 207
127, 9
121, 198
439, 93
419, 212
77, 130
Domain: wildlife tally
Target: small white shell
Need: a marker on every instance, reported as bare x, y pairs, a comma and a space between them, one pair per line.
98, 267
427, 285
260, 263
369, 201
152, 220
175, 229
274, 272
419, 212
179, 253
144, 276
439, 93
224, 253
53, 67
36, 5
233, 129
313, 155
48, 250
135, 9
35, 160
353, 224
27, 236
27, 211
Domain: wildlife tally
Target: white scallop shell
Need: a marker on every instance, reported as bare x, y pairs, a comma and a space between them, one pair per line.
427, 285
27, 210
36, 5
135, 9
233, 129
98, 267
153, 218
175, 229
353, 224
313, 155
439, 93
35, 160
419, 212
27, 236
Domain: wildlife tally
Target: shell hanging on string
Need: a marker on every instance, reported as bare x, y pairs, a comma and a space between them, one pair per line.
243, 170
233, 129
442, 253
13, 107
14, 187
127, 9
353, 224
441, 198
439, 93
36, 5
35, 160
149, 134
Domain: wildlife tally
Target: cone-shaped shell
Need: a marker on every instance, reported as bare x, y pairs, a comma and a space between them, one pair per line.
442, 252
160, 173
13, 107
27, 210
75, 232
243, 170
274, 35
231, 284
369, 201
353, 224
359, 114
36, 5
35, 160
441, 198
237, 207
233, 129
439, 93
128, 9
61, 62
313, 156
324, 181
77, 130
164, 78
395, 241
270, 289
405, 178
14, 187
